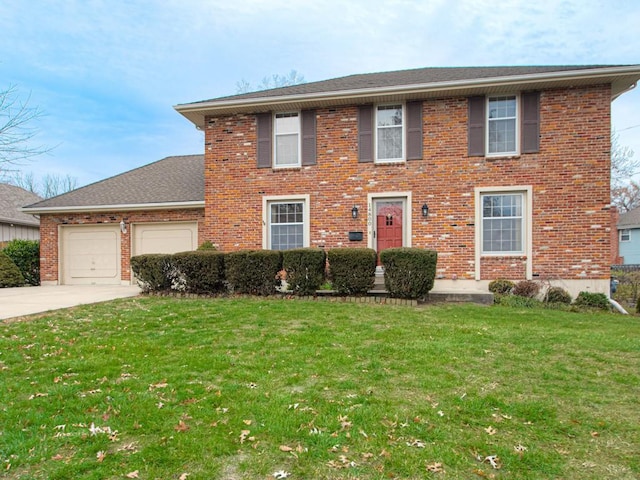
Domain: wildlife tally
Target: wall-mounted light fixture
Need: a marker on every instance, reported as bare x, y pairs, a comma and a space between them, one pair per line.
354, 212
425, 210
123, 226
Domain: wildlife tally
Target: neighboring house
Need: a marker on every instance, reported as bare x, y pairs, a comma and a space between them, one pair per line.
503, 170
629, 237
15, 224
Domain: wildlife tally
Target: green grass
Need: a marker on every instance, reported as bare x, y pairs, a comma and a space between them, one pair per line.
244, 388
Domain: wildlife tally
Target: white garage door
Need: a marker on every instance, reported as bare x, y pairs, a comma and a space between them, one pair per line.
90, 255
164, 237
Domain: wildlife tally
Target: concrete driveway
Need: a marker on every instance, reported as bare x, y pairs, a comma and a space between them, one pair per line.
16, 302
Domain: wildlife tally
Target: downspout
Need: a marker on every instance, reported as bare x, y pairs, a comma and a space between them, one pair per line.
617, 306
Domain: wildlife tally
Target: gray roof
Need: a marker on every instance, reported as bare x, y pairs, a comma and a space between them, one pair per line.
172, 180
416, 84
415, 76
12, 199
630, 219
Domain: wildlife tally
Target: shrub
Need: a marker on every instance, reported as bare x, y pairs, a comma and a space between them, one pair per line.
305, 269
10, 275
201, 271
26, 255
408, 272
592, 300
557, 295
501, 286
207, 245
352, 270
253, 272
151, 271
526, 288
517, 301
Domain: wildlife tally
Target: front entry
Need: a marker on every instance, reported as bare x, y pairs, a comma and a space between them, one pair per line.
389, 224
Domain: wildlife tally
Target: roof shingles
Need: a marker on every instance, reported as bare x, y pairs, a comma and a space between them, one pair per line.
176, 179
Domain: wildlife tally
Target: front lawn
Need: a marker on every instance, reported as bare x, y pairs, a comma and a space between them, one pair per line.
162, 388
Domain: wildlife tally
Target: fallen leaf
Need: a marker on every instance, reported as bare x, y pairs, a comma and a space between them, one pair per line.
280, 474
247, 422
285, 448
490, 430
435, 468
494, 461
184, 476
57, 457
162, 384
520, 448
595, 434
243, 435
100, 456
181, 427
133, 474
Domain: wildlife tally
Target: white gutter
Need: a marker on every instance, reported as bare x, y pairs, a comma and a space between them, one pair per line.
566, 75
111, 208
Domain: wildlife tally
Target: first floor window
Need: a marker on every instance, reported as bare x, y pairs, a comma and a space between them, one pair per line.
287, 140
502, 223
286, 225
389, 133
501, 131
625, 235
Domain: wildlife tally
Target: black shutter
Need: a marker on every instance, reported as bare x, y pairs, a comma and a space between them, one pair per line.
263, 132
531, 122
414, 130
476, 126
365, 133
308, 128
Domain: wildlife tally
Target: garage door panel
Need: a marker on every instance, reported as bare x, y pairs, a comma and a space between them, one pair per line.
165, 238
91, 255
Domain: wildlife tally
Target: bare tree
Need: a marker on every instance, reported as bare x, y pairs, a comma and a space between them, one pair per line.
48, 186
16, 128
625, 192
274, 81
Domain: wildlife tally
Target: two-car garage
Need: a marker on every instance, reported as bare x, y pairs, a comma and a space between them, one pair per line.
92, 254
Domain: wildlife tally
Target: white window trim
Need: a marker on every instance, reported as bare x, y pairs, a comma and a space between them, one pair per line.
266, 200
628, 230
404, 134
275, 136
516, 152
406, 197
527, 241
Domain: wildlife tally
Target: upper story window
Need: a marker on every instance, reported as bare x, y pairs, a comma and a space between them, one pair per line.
287, 140
504, 126
389, 133
502, 131
625, 235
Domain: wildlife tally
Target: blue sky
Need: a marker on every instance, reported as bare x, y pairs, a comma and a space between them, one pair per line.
107, 73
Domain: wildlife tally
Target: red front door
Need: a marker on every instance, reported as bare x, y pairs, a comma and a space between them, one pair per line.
388, 224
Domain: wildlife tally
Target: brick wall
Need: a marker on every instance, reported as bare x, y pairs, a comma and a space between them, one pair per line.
49, 233
569, 179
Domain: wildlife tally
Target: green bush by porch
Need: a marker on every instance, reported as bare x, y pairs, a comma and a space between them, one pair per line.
409, 272
352, 270
305, 269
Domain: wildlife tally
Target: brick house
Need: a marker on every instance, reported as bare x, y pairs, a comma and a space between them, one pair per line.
503, 170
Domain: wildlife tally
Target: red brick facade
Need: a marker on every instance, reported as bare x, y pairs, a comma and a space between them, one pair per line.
49, 230
568, 179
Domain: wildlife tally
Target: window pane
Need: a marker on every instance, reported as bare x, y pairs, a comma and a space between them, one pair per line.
390, 143
287, 149
287, 225
502, 223
502, 125
287, 139
389, 116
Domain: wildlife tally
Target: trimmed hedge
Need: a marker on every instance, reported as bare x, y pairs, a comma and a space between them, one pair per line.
151, 270
10, 275
26, 255
409, 272
200, 271
501, 286
592, 300
352, 270
253, 272
305, 269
